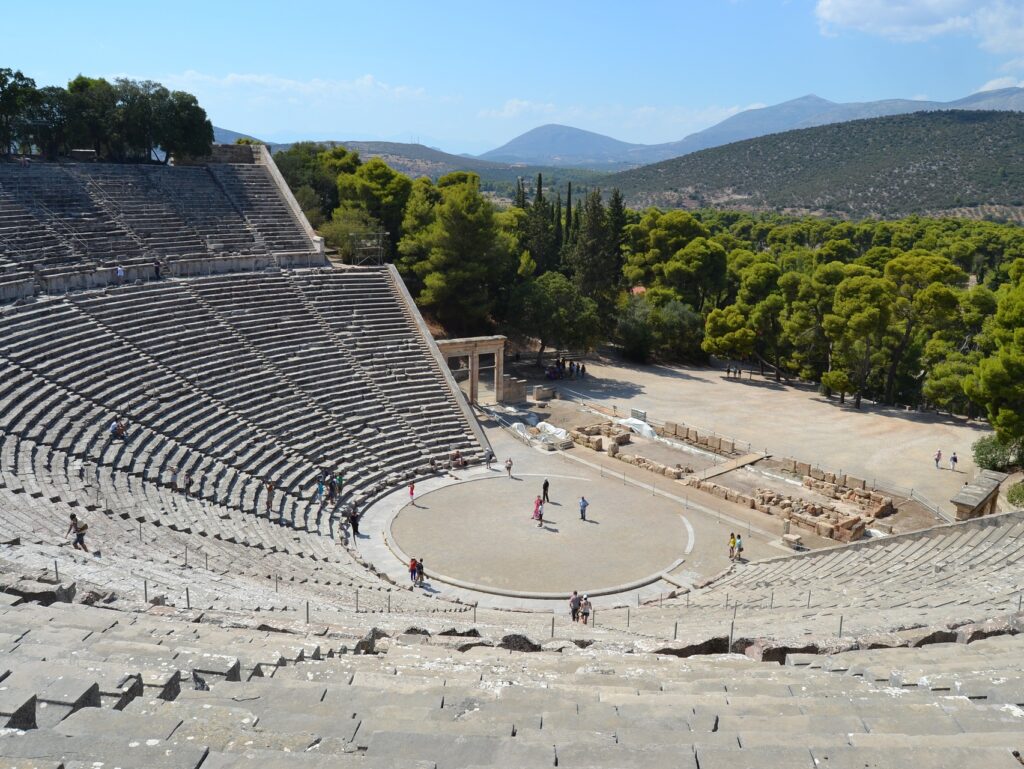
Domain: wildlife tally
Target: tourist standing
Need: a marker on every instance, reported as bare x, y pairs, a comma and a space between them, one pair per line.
952, 461
540, 515
585, 608
583, 508
508, 466
412, 494
353, 520
732, 545
574, 606
938, 458
270, 495
488, 458
739, 547
419, 571
78, 528
544, 489
413, 567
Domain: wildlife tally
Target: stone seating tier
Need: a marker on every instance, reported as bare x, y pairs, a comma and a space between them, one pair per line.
232, 380
84, 685
55, 214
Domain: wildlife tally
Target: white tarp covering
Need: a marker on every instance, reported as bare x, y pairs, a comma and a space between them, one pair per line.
550, 430
520, 429
637, 426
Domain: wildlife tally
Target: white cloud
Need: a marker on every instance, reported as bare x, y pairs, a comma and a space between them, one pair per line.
1002, 82
901, 20
998, 25
273, 86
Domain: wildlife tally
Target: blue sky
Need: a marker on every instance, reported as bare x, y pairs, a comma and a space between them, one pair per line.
468, 76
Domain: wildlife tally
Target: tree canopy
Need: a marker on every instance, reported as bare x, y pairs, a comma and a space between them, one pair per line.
912, 311
127, 120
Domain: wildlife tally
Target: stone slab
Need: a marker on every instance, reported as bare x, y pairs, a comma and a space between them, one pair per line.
120, 751
100, 721
896, 758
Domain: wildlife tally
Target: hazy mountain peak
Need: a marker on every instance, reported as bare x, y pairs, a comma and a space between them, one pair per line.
560, 145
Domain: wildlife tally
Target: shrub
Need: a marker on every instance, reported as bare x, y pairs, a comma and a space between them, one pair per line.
1016, 495
993, 453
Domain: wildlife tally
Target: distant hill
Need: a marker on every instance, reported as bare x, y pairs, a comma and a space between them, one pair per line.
413, 159
225, 136
565, 146
561, 145
417, 160
970, 162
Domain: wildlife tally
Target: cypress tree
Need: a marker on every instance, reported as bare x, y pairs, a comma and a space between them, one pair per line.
558, 222
520, 200
539, 197
616, 229
568, 214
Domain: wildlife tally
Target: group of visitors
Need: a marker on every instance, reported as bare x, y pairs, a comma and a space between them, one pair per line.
544, 497
185, 478
563, 368
735, 547
952, 460
330, 485
416, 574
580, 608
330, 488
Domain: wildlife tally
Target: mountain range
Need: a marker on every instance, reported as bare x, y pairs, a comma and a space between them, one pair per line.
950, 162
559, 145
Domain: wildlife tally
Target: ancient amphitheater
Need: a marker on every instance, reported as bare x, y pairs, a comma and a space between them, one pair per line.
223, 625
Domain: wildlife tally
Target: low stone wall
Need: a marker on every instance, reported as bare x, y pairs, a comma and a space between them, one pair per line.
608, 437
804, 469
184, 268
61, 282
695, 437
872, 503
15, 287
302, 259
823, 520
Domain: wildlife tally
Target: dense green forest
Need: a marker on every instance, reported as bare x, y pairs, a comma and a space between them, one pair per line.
886, 167
127, 120
914, 311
